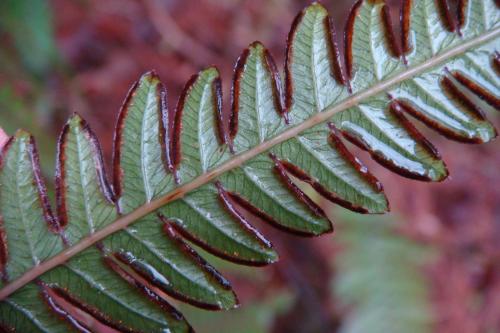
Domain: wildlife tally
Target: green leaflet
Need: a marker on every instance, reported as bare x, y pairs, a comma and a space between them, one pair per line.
85, 202
219, 176
85, 208
142, 175
87, 279
25, 311
24, 212
431, 104
201, 213
260, 187
198, 107
256, 98
375, 129
309, 66
374, 62
91, 282
139, 173
313, 88
257, 101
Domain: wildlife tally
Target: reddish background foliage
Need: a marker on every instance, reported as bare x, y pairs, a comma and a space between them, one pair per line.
109, 44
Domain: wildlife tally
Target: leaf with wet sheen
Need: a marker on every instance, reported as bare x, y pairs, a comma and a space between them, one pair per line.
112, 257
152, 249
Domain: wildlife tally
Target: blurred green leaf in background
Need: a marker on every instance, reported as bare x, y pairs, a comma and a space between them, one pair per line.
29, 24
28, 59
379, 278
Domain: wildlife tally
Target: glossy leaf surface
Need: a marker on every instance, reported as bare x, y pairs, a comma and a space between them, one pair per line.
26, 217
160, 257
200, 175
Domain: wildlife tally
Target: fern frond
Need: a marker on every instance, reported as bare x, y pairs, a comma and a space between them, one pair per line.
194, 175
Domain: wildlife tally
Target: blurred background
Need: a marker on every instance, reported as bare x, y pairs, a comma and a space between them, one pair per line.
431, 265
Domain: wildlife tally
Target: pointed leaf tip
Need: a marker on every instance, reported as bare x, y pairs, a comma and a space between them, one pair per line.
22, 134
151, 76
211, 71
316, 6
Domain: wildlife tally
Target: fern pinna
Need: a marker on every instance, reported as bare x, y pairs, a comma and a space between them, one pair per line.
190, 175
